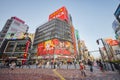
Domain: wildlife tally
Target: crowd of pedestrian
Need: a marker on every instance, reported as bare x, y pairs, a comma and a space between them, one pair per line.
57, 64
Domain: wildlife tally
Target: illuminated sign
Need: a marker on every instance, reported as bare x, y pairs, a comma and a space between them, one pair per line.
54, 46
73, 39
60, 13
112, 42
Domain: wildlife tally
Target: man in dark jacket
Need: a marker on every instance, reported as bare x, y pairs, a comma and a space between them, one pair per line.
90, 63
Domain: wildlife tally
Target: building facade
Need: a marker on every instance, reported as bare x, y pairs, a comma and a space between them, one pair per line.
116, 28
52, 37
56, 37
14, 26
117, 13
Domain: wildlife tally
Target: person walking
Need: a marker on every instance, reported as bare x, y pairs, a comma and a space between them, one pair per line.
82, 69
90, 63
47, 64
40, 64
101, 66
12, 65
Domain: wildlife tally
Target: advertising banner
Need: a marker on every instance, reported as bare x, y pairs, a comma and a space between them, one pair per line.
17, 29
54, 46
112, 42
61, 13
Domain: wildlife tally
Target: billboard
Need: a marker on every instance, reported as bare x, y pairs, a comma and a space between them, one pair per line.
17, 28
73, 39
61, 13
112, 42
54, 47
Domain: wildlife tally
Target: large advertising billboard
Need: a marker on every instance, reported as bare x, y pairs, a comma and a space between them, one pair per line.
16, 28
54, 47
61, 13
112, 42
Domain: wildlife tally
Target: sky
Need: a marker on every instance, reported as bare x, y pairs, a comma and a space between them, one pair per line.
92, 18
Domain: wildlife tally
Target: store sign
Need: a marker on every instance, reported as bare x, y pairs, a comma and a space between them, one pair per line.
60, 13
112, 42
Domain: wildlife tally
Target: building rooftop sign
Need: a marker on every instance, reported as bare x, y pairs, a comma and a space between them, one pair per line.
61, 13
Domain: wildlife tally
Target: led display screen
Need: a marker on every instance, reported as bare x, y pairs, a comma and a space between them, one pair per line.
55, 46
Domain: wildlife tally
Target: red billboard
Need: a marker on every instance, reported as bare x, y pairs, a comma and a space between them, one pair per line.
112, 42
61, 13
54, 46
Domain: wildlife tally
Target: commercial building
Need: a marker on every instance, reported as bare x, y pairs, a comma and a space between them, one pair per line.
117, 13
116, 28
52, 36
116, 23
56, 38
14, 26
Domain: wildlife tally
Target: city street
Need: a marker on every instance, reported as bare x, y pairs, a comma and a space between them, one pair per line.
60, 40
56, 74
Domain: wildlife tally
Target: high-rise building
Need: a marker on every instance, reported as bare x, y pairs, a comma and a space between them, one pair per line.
56, 37
53, 36
116, 23
13, 27
117, 13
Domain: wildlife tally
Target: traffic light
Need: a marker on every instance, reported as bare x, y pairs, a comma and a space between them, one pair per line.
25, 54
97, 41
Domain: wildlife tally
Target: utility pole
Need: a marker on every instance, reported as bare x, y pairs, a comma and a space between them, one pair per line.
104, 47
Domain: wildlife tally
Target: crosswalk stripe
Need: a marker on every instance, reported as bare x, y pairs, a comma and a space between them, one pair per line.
61, 77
